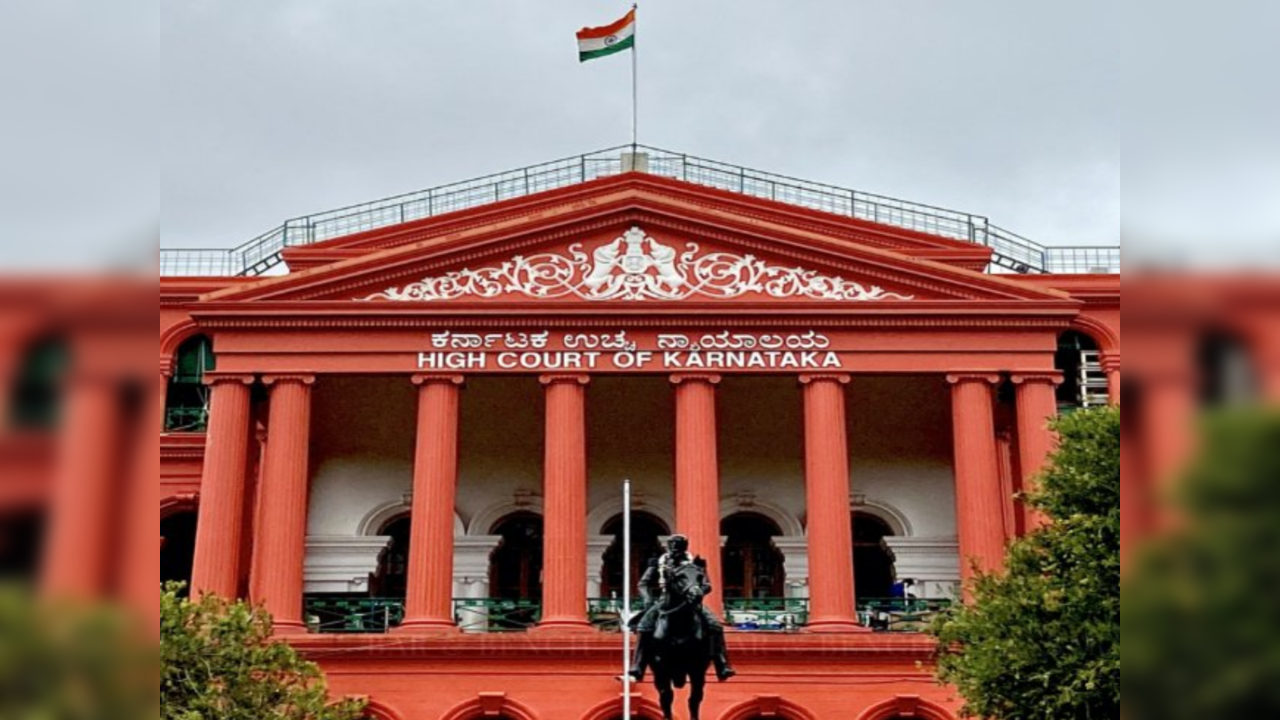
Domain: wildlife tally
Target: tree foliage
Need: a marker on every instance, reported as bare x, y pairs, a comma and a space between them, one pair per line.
1200, 605
1041, 640
72, 661
221, 663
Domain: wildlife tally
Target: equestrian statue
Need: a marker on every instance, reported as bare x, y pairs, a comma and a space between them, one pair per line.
678, 637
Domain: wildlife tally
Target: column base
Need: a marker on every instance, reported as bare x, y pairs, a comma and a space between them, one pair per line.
426, 627
836, 626
565, 627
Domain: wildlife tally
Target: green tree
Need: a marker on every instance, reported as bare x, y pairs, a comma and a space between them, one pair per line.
221, 663
1201, 612
1041, 640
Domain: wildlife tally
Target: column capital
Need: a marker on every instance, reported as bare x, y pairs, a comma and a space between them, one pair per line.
217, 378
553, 378
810, 378
711, 378
957, 378
166, 366
1053, 377
431, 379
289, 378
1111, 362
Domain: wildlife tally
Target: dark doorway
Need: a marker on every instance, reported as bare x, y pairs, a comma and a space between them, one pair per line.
645, 531
178, 547
21, 536
515, 572
752, 566
872, 565
392, 578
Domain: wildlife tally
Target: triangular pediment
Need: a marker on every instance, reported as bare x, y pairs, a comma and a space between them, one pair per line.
633, 242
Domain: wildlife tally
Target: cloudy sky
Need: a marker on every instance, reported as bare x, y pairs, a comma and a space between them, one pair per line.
1020, 111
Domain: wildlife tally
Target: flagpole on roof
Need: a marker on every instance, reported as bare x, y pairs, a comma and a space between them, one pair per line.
635, 87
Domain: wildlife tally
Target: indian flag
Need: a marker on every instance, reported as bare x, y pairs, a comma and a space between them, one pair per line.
601, 41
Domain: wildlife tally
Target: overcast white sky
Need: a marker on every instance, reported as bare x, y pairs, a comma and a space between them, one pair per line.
1021, 111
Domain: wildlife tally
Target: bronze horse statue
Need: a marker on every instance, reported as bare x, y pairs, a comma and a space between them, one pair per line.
682, 644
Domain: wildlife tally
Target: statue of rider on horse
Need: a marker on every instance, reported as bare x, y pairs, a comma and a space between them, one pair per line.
676, 581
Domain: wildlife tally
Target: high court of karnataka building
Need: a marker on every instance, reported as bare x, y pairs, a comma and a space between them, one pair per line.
403, 428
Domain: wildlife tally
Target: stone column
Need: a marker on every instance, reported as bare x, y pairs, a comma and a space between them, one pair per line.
1037, 402
279, 550
1111, 364
978, 497
795, 556
827, 491
429, 596
219, 528
564, 576
698, 475
78, 551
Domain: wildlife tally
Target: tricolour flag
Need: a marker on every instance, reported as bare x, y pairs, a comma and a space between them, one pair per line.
601, 41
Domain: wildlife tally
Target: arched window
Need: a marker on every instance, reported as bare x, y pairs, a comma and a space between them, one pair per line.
391, 580
645, 531
178, 547
1084, 382
1227, 375
36, 401
751, 565
187, 402
515, 570
872, 566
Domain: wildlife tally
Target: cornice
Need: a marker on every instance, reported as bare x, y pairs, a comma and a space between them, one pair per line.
861, 649
182, 446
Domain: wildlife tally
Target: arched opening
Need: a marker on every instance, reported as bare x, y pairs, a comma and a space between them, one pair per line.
873, 574
751, 566
645, 533
391, 579
177, 548
36, 399
1227, 374
1084, 382
186, 406
515, 571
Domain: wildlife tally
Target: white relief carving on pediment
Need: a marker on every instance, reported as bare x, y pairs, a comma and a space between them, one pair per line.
636, 267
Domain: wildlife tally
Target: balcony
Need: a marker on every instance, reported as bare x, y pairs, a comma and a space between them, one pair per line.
350, 615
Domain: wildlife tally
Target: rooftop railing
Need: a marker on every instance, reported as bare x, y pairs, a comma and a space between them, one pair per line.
1012, 252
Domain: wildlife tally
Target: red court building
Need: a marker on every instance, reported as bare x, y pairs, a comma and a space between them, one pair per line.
403, 427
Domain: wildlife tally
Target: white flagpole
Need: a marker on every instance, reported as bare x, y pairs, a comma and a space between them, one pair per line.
635, 88
625, 615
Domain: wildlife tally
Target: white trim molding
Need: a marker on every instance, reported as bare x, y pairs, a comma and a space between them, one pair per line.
932, 562
341, 563
633, 267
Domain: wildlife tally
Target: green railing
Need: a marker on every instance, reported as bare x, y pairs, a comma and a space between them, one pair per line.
353, 615
492, 615
766, 614
606, 613
186, 419
900, 614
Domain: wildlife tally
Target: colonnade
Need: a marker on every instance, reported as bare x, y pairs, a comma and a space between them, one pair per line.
278, 550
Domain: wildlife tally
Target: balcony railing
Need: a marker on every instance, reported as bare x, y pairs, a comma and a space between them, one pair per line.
186, 419
336, 615
492, 615
1012, 252
766, 614
900, 614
